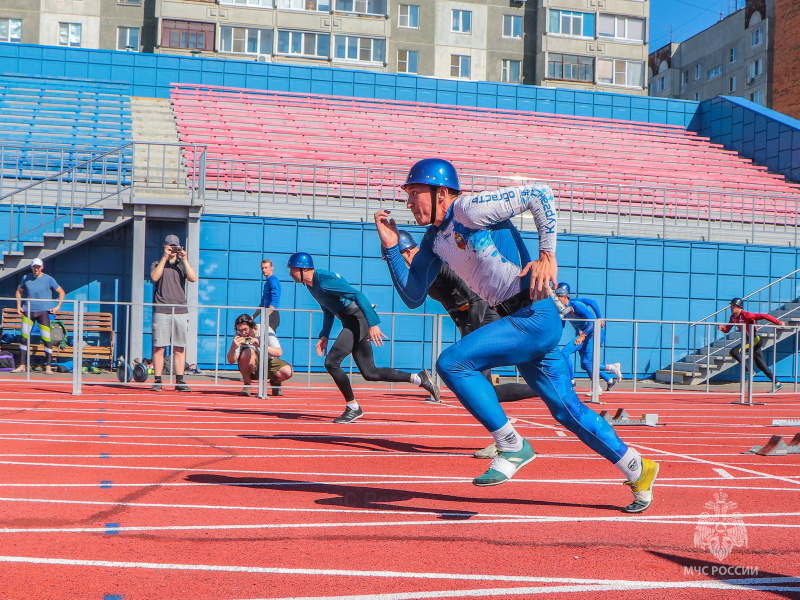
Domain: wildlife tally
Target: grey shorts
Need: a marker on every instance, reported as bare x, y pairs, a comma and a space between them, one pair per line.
166, 325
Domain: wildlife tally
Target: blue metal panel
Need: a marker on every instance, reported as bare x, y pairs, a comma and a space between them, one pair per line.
704, 260
620, 281
591, 254
214, 234
649, 257
246, 236
213, 263
347, 267
314, 239
620, 255
280, 238
676, 285
244, 265
677, 258
756, 262
703, 286
375, 272
648, 283
591, 281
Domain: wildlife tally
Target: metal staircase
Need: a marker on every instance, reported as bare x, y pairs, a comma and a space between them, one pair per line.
710, 359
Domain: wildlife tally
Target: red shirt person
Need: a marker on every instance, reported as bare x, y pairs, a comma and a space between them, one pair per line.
743, 320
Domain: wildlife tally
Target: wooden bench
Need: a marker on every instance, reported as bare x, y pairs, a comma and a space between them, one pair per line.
94, 324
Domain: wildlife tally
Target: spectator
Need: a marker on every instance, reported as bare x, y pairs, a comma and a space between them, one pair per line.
743, 319
170, 313
270, 300
245, 351
38, 288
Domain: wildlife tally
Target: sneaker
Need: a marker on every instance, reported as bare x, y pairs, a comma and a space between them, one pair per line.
610, 384
616, 370
589, 394
776, 386
182, 387
642, 488
505, 465
349, 415
489, 452
277, 391
573, 383
246, 391
156, 387
428, 385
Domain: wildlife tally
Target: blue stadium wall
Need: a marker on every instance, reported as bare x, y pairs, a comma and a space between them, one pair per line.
630, 278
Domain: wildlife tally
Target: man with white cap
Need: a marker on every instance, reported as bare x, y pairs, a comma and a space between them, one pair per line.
38, 288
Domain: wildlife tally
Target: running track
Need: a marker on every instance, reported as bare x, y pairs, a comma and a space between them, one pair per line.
124, 495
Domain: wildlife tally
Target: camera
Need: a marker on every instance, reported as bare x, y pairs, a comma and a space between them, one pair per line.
174, 248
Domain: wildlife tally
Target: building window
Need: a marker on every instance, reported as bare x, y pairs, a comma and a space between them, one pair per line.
360, 48
511, 71
69, 34
187, 35
698, 71
661, 84
304, 43
757, 37
459, 66
732, 84
732, 55
715, 72
697, 96
128, 38
256, 3
307, 5
620, 28
409, 16
567, 22
512, 26
757, 97
10, 30
462, 21
244, 40
629, 73
756, 68
362, 7
684, 78
406, 61
570, 66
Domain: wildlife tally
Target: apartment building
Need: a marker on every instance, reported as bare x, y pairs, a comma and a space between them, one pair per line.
733, 57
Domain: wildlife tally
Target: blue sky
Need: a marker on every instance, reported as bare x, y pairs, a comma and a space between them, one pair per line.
687, 18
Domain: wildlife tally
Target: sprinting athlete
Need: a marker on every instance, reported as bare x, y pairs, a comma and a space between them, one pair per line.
475, 237
360, 330
583, 343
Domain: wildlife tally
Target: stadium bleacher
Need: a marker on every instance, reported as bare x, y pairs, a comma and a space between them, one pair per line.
594, 154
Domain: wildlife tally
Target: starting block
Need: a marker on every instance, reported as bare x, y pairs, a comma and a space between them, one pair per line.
777, 447
785, 422
623, 418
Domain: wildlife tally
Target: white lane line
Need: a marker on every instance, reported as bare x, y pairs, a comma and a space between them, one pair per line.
723, 473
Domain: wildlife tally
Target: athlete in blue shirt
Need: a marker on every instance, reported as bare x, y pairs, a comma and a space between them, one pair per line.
475, 237
360, 330
583, 343
38, 288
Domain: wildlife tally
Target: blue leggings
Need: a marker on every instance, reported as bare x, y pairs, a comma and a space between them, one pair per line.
529, 340
586, 350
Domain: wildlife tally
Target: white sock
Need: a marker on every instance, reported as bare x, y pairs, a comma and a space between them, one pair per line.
352, 405
507, 439
416, 379
630, 465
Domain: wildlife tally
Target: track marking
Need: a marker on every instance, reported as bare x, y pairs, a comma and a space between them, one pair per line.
723, 473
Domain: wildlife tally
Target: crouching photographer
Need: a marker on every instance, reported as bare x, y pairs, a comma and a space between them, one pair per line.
245, 351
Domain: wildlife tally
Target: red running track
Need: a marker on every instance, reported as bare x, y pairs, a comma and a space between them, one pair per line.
124, 495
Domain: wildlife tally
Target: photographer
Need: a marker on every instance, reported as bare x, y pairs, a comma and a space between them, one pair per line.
245, 351
170, 314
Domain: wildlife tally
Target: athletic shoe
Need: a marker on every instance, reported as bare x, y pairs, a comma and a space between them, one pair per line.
573, 383
428, 385
156, 387
277, 391
489, 452
505, 465
642, 488
610, 384
776, 386
349, 415
589, 394
246, 391
616, 370
182, 387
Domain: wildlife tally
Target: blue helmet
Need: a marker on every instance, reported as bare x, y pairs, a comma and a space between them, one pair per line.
562, 289
433, 171
300, 260
405, 241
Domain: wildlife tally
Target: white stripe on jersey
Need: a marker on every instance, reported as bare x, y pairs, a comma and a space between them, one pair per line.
466, 245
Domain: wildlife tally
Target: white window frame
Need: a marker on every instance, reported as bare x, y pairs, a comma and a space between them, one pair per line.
411, 16
697, 96
462, 60
757, 37
506, 70
715, 72
363, 43
755, 68
617, 66
260, 33
572, 17
698, 72
732, 84
134, 47
661, 84
250, 3
8, 27
362, 7
509, 22
620, 21
293, 33
71, 29
407, 61
684, 78
457, 22
757, 97
733, 54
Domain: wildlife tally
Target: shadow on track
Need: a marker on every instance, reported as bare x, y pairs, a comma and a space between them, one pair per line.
288, 415
371, 444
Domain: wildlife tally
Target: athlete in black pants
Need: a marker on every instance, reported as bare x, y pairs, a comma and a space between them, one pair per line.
360, 330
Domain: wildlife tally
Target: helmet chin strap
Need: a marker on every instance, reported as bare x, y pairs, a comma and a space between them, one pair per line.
434, 202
